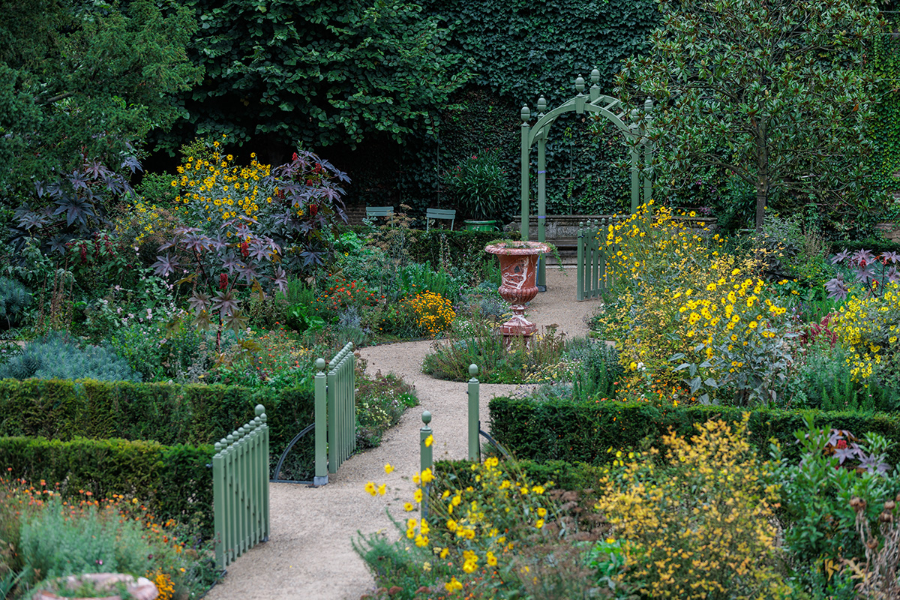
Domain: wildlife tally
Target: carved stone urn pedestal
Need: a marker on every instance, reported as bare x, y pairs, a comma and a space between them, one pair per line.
518, 268
104, 584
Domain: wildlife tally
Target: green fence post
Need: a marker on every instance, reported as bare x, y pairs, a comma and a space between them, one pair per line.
526, 147
425, 458
474, 445
264, 430
579, 268
321, 430
219, 503
542, 196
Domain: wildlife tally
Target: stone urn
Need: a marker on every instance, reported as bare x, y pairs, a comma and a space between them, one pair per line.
104, 583
518, 268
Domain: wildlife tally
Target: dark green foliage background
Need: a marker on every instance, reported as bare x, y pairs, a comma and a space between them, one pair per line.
169, 414
887, 135
175, 482
584, 432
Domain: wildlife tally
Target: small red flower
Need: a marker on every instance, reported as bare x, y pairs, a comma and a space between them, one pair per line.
313, 209
245, 250
223, 281
295, 157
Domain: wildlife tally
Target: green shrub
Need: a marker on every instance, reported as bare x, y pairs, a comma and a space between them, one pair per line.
56, 357
165, 413
157, 352
476, 343
585, 431
174, 481
14, 299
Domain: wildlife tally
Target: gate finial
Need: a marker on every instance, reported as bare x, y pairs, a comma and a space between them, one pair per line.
542, 104
595, 76
579, 84
526, 113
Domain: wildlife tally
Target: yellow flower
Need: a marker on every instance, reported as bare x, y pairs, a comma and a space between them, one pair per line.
382, 489
429, 440
370, 487
539, 524
417, 495
427, 477
409, 507
388, 469
453, 585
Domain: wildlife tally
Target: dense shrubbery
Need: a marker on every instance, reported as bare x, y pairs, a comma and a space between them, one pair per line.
56, 357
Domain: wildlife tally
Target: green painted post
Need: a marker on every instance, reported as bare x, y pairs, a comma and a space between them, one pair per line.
648, 152
526, 129
474, 445
542, 196
635, 158
601, 244
352, 369
321, 430
595, 89
254, 490
332, 420
579, 268
241, 490
425, 459
580, 98
595, 244
265, 477
228, 498
219, 503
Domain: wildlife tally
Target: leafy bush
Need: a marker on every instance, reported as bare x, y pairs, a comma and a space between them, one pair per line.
489, 528
14, 299
158, 351
816, 492
340, 294
57, 357
697, 523
869, 328
380, 402
824, 380
497, 364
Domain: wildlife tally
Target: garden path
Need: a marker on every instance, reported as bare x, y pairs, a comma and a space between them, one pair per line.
309, 554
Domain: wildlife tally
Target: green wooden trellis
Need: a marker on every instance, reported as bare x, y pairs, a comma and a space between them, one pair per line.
597, 103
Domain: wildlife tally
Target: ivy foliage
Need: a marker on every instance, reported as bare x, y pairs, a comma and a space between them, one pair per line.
772, 91
317, 72
517, 51
885, 172
85, 79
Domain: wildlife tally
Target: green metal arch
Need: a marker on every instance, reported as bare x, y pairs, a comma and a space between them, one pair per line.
596, 103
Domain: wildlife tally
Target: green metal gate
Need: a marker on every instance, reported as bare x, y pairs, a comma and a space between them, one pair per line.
594, 276
335, 413
241, 489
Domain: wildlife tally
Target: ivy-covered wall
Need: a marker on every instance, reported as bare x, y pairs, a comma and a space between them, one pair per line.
886, 167
517, 50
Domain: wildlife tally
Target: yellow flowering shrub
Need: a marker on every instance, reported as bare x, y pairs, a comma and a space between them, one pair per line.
213, 188
681, 302
433, 312
482, 533
868, 327
697, 524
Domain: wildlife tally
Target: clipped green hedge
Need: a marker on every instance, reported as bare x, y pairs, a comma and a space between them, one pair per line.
877, 246
174, 482
455, 474
165, 413
584, 432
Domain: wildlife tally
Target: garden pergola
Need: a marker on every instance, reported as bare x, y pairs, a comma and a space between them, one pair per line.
595, 103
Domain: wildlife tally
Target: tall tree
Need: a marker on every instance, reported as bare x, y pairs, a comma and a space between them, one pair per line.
776, 92
85, 80
318, 72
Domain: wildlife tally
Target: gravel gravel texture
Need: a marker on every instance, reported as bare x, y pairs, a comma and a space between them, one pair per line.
309, 553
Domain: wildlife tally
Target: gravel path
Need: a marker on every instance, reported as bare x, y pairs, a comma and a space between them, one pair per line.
309, 553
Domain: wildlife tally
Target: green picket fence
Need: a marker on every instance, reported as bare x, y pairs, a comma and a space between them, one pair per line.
593, 275
241, 489
335, 413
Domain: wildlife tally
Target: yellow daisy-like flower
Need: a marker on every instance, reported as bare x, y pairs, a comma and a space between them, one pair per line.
370, 487
409, 507
427, 477
388, 469
429, 441
539, 524
382, 489
417, 496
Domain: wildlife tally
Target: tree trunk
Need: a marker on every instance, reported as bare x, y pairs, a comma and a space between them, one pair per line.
761, 194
